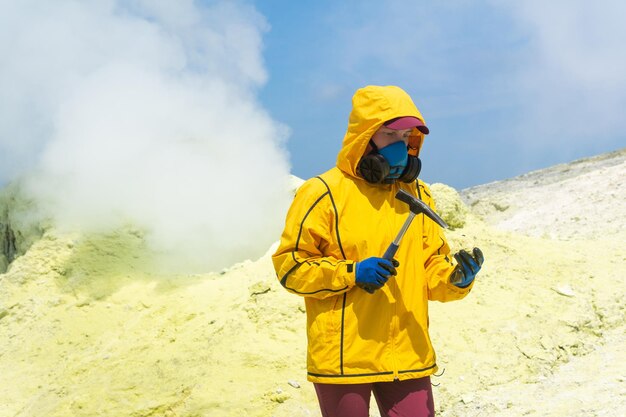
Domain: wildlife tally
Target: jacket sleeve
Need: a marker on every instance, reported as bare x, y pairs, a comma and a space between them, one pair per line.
301, 261
437, 260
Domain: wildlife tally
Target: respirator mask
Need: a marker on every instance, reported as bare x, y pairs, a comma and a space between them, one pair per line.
389, 164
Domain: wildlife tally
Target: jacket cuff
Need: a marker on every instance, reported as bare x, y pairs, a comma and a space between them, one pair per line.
350, 276
461, 290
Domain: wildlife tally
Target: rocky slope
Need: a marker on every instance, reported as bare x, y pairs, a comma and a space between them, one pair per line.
580, 200
89, 328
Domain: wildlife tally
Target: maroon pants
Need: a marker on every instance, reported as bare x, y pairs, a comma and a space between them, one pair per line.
410, 398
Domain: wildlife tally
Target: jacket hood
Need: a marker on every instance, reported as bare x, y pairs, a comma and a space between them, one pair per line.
371, 107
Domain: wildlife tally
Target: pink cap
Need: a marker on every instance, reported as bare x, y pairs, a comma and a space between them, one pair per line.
407, 122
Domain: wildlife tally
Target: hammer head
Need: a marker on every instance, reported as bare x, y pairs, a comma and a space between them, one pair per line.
417, 206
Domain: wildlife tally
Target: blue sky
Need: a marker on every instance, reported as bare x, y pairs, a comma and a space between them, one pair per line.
150, 111
505, 88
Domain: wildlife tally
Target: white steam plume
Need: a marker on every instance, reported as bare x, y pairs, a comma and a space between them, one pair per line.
144, 112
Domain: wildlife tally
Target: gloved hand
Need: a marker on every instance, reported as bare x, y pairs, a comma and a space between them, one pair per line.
372, 273
467, 267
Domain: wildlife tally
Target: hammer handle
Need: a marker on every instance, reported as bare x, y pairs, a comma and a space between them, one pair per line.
391, 251
393, 247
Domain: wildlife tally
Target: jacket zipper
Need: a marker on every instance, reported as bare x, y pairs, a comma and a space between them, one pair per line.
394, 320
394, 328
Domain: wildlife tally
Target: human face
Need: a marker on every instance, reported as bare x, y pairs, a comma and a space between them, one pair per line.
385, 136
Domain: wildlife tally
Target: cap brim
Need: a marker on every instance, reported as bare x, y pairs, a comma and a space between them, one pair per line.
408, 122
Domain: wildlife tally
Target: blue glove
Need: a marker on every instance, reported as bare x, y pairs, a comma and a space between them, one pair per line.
372, 273
467, 267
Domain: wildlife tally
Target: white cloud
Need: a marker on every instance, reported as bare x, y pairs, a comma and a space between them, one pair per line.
515, 85
573, 76
145, 112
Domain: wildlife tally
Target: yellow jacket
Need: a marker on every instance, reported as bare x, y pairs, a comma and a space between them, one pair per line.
338, 219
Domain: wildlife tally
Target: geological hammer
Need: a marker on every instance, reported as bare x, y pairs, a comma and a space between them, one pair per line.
416, 206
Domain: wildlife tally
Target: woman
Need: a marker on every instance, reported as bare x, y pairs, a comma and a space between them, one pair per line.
367, 317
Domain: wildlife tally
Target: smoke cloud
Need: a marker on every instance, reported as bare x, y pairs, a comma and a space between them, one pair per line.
145, 113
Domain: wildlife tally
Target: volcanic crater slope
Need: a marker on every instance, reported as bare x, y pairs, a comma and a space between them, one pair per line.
89, 327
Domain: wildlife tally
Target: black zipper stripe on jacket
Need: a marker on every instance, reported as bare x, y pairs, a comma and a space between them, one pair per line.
304, 219
299, 264
418, 370
406, 371
283, 280
313, 292
425, 192
343, 316
442, 244
332, 200
420, 197
323, 261
343, 307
